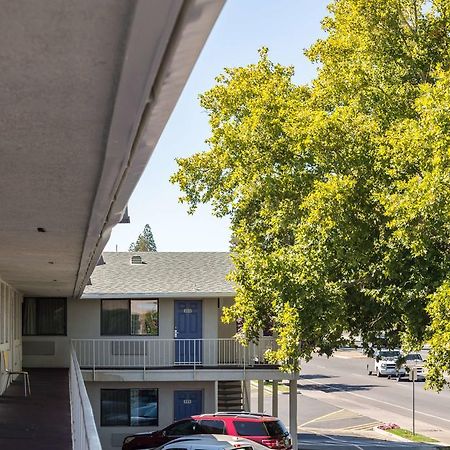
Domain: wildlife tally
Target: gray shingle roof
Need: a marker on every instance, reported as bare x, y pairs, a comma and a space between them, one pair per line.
163, 274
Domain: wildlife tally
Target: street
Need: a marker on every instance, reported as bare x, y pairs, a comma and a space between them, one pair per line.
339, 404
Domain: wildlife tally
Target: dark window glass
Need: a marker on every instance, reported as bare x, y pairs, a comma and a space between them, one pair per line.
414, 357
276, 428
144, 317
114, 407
129, 407
44, 316
182, 428
212, 426
268, 329
115, 317
130, 317
144, 407
250, 428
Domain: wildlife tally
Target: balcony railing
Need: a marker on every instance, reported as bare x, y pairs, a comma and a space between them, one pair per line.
84, 431
168, 353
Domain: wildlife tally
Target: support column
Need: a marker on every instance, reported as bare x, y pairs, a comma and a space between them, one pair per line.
216, 396
260, 396
293, 412
246, 394
275, 398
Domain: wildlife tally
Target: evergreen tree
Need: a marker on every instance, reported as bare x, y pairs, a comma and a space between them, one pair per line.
145, 241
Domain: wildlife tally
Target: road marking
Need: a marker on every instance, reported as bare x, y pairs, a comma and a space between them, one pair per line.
374, 399
363, 426
318, 419
331, 438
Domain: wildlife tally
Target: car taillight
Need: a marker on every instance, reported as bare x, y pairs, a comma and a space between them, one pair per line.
272, 443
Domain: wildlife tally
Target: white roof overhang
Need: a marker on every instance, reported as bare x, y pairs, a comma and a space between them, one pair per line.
86, 90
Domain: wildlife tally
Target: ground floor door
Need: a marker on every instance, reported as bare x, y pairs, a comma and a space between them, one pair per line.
188, 331
187, 403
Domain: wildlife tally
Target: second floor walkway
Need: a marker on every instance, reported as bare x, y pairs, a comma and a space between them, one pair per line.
41, 421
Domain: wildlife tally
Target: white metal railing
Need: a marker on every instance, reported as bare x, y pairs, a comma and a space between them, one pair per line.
84, 431
158, 353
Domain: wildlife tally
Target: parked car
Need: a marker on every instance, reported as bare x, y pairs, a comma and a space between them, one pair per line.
212, 442
261, 428
413, 361
386, 363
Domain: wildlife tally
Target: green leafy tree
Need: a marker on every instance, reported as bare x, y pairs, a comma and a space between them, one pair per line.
338, 192
145, 241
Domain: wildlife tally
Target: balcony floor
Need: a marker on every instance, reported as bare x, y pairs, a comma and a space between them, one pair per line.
41, 421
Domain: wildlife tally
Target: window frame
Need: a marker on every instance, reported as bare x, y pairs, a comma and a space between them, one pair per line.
129, 317
102, 424
64, 333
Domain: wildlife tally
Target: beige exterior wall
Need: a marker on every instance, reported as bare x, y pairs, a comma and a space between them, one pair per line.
10, 329
225, 330
83, 322
112, 437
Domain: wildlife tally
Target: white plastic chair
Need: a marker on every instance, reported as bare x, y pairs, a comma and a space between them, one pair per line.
10, 373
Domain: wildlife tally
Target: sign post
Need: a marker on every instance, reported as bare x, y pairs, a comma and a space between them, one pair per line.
413, 377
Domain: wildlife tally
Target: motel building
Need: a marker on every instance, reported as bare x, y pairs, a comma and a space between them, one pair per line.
112, 343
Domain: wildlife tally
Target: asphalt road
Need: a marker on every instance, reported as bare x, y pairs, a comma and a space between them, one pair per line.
339, 404
343, 381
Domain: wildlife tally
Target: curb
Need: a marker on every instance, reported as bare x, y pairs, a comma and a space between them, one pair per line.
395, 438
392, 437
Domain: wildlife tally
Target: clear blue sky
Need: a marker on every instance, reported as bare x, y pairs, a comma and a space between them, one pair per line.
286, 27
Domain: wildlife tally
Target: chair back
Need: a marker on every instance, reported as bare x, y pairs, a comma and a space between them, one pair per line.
6, 359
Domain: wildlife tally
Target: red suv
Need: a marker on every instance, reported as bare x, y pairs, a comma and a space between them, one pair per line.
261, 428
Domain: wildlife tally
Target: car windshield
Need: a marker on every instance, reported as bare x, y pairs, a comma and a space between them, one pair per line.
414, 357
389, 354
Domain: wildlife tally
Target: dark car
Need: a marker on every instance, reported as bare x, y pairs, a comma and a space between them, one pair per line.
266, 430
160, 437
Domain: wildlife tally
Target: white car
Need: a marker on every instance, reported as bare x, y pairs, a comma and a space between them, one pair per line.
386, 364
212, 442
414, 361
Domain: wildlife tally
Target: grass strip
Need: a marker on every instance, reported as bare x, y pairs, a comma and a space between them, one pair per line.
410, 436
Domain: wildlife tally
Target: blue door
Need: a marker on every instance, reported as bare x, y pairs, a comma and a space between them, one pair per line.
187, 403
188, 331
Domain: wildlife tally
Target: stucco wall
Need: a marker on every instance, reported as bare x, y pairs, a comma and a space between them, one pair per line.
225, 330
83, 322
112, 437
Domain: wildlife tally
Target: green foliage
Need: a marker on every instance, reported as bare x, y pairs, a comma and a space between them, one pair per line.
338, 192
145, 241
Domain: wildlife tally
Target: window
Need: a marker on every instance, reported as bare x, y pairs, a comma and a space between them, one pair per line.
129, 407
44, 316
213, 426
250, 428
182, 428
130, 317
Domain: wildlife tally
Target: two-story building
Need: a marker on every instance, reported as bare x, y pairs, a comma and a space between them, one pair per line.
152, 334
86, 89
148, 336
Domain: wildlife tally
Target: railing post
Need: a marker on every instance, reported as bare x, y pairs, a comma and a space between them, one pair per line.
93, 359
195, 345
145, 357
